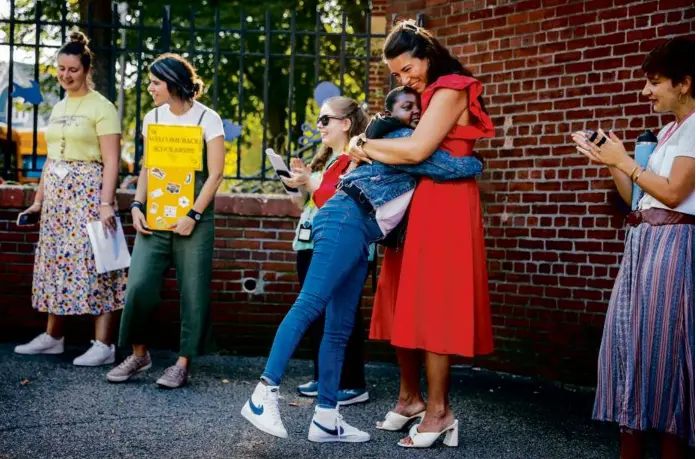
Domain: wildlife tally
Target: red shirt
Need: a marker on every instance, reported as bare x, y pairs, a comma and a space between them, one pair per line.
330, 179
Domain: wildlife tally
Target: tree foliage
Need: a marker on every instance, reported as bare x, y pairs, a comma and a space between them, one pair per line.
216, 56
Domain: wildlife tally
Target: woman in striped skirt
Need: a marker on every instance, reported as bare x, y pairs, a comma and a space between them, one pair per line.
646, 361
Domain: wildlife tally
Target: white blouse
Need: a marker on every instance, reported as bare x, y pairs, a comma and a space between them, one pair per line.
679, 143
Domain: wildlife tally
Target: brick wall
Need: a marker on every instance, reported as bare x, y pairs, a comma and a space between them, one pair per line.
379, 85
253, 240
553, 222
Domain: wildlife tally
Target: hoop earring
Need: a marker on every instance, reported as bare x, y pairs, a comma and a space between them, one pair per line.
680, 99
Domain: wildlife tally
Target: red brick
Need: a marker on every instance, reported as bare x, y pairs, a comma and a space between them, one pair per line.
571, 9
567, 57
503, 32
529, 28
557, 23
671, 30
518, 18
648, 45
657, 19
611, 39
14, 197
494, 23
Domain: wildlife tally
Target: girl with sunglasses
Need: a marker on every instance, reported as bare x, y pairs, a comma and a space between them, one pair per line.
339, 119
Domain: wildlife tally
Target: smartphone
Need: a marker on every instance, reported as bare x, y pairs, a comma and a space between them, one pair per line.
283, 173
28, 219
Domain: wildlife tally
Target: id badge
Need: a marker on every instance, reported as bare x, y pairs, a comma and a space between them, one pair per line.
61, 171
305, 234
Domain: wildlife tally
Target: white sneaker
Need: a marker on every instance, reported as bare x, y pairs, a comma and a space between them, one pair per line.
42, 344
328, 426
262, 410
98, 354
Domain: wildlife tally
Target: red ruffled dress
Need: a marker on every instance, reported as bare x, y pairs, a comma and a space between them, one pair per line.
433, 293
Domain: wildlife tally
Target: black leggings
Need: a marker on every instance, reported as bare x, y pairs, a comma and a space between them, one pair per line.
353, 372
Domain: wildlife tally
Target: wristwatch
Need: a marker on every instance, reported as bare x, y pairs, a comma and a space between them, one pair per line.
194, 215
361, 142
139, 205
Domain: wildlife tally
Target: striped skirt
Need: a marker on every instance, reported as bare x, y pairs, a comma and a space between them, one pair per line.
646, 362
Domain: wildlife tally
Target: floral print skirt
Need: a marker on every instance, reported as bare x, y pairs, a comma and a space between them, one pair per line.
65, 274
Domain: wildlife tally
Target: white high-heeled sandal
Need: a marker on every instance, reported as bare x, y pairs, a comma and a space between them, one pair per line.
394, 422
426, 439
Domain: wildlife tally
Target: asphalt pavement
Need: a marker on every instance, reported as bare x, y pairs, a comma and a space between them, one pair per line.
50, 409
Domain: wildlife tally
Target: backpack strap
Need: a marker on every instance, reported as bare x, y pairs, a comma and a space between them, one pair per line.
201, 118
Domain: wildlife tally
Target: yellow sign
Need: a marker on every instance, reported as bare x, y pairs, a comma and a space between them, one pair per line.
174, 146
169, 196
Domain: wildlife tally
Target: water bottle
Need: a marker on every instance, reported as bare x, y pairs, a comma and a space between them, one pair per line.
645, 145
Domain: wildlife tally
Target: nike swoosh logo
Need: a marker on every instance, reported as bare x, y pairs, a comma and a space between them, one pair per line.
257, 410
333, 432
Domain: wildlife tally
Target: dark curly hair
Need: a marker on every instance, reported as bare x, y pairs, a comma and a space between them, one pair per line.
407, 37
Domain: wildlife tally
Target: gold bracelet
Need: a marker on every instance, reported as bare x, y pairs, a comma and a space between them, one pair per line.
638, 175
633, 172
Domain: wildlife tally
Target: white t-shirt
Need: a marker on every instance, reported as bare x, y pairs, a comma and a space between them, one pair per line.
211, 123
390, 214
680, 143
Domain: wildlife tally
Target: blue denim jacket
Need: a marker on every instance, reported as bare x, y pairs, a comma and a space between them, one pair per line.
380, 183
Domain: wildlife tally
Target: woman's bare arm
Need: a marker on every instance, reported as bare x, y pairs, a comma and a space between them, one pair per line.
672, 190
110, 146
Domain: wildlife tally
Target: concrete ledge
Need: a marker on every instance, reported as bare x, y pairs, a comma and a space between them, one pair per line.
255, 205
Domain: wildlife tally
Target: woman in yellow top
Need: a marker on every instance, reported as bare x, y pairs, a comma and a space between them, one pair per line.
77, 186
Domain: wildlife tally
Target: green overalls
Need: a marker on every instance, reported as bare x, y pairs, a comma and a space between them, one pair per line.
192, 258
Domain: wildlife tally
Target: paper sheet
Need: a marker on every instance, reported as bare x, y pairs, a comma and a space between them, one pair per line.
282, 170
110, 253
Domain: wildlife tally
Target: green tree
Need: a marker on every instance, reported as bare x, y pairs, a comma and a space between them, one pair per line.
193, 35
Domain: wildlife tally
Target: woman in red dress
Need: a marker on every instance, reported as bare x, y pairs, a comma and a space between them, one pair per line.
432, 299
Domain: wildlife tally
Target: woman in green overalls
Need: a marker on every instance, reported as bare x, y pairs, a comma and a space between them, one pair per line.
189, 246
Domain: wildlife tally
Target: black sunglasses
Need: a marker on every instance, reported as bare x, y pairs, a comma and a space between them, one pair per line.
324, 120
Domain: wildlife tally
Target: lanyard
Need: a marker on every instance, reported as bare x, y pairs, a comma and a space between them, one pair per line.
672, 130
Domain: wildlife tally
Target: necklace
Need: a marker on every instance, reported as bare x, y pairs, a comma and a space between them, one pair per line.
65, 122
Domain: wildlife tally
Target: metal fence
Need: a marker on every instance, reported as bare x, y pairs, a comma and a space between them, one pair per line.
262, 70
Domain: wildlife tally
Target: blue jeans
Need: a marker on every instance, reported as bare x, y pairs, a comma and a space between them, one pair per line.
342, 233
